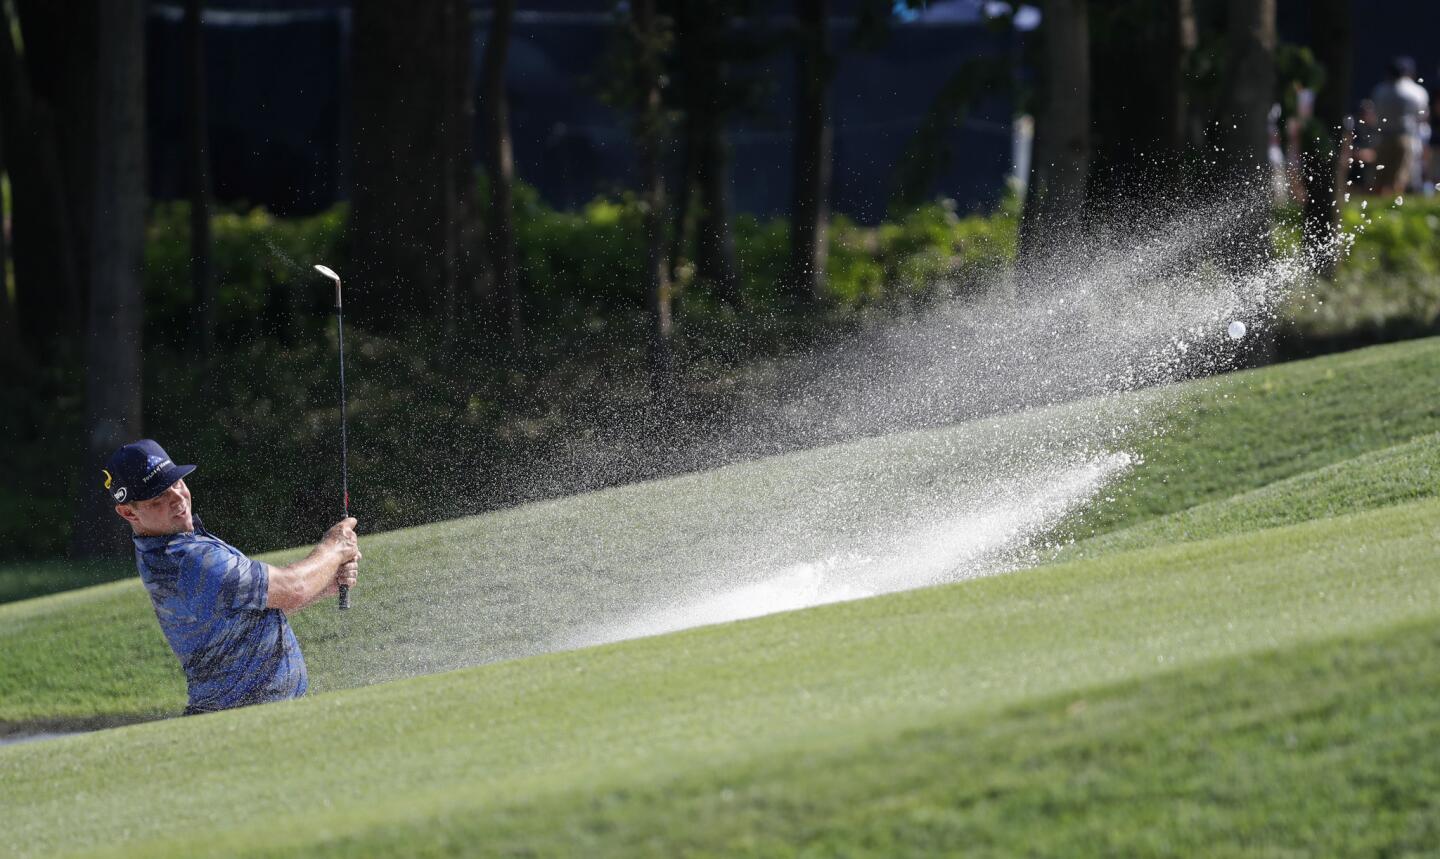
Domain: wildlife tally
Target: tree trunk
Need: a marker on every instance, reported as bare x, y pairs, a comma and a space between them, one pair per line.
113, 341
680, 224
814, 139
1330, 36
1250, 82
649, 139
1325, 149
449, 173
49, 298
1245, 123
1060, 161
700, 35
1139, 51
461, 218
500, 169
57, 36
13, 359
715, 240
202, 278
399, 220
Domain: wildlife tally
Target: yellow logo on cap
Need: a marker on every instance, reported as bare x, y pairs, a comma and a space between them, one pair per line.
108, 478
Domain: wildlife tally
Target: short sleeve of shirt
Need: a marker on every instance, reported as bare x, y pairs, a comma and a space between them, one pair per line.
216, 577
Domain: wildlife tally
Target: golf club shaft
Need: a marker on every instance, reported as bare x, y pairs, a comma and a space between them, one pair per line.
344, 467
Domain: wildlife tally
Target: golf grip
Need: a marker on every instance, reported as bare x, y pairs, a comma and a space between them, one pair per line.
344, 597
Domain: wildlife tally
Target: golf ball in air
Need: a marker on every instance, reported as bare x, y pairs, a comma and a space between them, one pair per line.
1236, 329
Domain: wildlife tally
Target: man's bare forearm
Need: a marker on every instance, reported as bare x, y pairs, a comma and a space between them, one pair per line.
305, 581
294, 586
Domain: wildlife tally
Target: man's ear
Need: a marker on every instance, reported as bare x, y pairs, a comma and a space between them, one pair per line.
125, 512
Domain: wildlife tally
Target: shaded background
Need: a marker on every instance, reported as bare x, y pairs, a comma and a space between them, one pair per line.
278, 80
615, 227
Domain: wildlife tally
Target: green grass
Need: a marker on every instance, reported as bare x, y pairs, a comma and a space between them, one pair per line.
1392, 475
27, 579
522, 581
91, 657
605, 748
1328, 749
1239, 661
1228, 435
1240, 432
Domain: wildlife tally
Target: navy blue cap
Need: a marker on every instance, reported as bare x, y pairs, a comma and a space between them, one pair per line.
140, 471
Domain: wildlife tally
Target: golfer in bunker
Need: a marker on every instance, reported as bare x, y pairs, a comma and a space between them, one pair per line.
223, 613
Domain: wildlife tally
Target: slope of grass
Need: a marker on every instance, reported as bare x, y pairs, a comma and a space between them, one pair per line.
1392, 475
26, 579
522, 581
1242, 431
882, 726
86, 658
1228, 435
1329, 749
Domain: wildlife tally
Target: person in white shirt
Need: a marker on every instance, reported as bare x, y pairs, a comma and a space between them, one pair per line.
1402, 107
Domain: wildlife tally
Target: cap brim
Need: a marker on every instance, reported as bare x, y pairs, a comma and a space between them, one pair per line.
172, 474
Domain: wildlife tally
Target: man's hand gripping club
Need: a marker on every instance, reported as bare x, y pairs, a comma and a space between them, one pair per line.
334, 561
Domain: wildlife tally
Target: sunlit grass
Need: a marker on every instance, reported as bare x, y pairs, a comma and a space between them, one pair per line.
1264, 690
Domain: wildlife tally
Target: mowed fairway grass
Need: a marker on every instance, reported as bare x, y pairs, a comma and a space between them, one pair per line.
1244, 660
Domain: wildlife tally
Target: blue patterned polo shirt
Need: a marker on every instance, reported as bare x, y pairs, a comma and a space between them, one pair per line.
210, 601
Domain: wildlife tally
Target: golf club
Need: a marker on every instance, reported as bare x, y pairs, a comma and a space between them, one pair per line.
344, 470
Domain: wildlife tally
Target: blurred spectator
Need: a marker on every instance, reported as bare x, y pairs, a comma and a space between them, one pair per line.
1298, 112
1430, 164
1402, 106
1280, 190
1423, 165
1362, 152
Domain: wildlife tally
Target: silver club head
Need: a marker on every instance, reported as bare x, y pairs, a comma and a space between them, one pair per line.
330, 273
